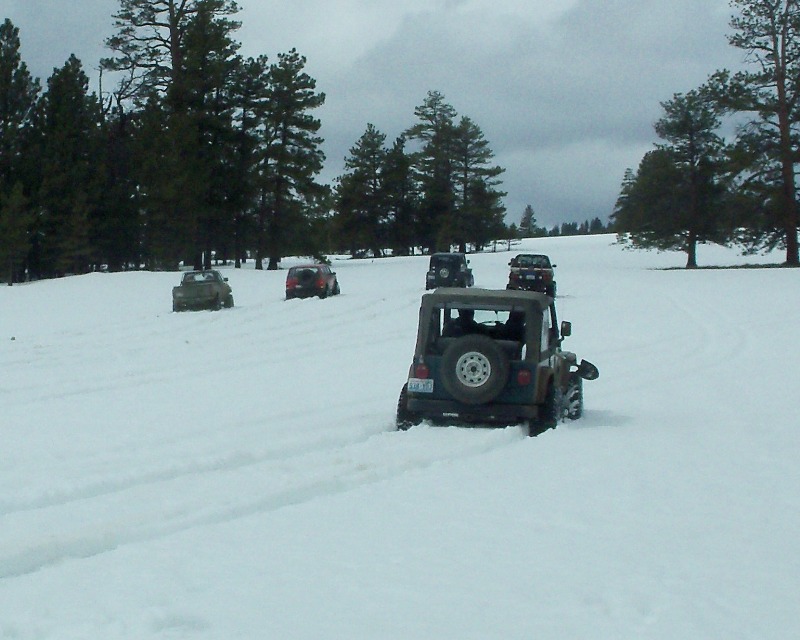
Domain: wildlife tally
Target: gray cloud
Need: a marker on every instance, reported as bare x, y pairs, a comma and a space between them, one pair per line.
566, 91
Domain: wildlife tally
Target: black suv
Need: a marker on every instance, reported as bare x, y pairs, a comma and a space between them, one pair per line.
492, 357
532, 272
449, 270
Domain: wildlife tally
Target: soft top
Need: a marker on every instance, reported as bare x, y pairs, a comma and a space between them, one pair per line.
478, 297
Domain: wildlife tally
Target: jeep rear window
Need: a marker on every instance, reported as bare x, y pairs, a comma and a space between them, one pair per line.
490, 317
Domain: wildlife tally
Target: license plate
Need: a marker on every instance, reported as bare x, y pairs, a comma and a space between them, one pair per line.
420, 385
531, 277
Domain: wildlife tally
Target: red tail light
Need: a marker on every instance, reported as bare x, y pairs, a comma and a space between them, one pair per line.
524, 377
320, 283
421, 371
291, 283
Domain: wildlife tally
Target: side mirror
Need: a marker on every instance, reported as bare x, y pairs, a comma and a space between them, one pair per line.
566, 329
554, 265
225, 279
588, 371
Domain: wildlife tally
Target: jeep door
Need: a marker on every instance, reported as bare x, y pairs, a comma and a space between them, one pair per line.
550, 354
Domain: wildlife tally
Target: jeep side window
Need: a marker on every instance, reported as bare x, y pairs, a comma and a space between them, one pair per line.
434, 329
554, 337
549, 330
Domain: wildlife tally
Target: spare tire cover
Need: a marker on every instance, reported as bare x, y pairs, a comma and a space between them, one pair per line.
474, 369
307, 277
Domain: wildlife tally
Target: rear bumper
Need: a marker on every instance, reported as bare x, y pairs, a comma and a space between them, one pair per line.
302, 293
485, 413
528, 285
192, 305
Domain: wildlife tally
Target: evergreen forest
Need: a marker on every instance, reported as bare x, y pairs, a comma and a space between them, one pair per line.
199, 156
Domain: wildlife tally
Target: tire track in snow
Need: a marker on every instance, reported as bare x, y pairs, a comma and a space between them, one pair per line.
157, 355
231, 460
697, 340
36, 539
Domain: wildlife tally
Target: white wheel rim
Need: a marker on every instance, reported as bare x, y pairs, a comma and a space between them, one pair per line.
473, 369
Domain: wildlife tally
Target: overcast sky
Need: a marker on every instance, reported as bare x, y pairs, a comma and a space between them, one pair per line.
565, 91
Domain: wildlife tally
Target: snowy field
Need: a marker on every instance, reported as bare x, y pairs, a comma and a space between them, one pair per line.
236, 474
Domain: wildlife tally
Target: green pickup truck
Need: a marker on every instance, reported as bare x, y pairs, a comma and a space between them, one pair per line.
202, 290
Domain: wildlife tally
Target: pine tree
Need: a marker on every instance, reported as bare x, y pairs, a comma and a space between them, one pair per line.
210, 65
150, 48
433, 169
768, 31
402, 200
15, 219
179, 62
116, 224
596, 226
527, 224
290, 159
478, 203
70, 187
249, 86
362, 203
18, 160
674, 202
18, 93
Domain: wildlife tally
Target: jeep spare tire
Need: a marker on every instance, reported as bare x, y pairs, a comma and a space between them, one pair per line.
474, 369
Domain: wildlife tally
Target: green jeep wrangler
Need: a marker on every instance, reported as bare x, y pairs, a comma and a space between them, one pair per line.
492, 357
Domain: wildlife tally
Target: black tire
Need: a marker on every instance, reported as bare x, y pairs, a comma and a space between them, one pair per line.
550, 290
573, 398
229, 301
336, 289
216, 305
549, 413
405, 418
474, 369
323, 293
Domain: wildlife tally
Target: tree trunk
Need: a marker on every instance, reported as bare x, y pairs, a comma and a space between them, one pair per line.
691, 250
787, 170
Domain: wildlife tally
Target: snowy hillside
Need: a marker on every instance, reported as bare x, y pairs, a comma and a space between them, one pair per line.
236, 474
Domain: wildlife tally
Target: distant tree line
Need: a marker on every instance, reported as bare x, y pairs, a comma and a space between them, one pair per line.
528, 228
696, 186
199, 154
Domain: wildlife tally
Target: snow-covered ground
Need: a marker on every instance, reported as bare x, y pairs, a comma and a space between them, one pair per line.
236, 474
